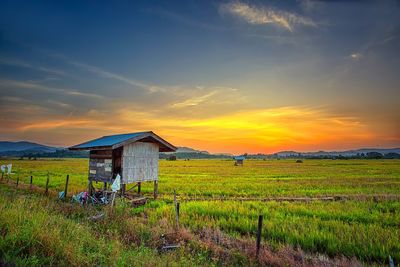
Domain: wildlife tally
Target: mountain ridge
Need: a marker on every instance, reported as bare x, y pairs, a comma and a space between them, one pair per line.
20, 148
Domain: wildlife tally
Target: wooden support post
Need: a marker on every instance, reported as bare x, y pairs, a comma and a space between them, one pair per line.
155, 189
66, 187
105, 186
258, 244
31, 183
47, 183
139, 187
90, 187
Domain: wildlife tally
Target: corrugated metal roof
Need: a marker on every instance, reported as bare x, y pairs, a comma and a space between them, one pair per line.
239, 158
109, 140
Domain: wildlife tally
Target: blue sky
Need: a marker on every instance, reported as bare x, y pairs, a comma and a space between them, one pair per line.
289, 75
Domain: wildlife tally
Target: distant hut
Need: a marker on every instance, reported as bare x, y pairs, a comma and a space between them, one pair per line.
239, 160
134, 156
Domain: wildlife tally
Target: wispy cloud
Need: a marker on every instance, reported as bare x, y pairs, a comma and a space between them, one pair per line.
23, 64
60, 104
194, 101
265, 15
356, 56
190, 21
29, 85
107, 74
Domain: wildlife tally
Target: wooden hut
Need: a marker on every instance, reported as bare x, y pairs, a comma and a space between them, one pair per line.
239, 160
134, 156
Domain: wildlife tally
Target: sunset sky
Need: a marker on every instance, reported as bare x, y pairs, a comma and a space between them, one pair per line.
230, 76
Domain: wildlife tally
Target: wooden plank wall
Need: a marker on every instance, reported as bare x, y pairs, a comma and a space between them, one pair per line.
100, 165
140, 162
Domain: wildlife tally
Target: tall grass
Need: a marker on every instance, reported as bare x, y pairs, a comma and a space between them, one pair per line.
38, 230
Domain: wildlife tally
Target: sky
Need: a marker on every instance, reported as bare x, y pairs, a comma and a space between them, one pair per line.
230, 76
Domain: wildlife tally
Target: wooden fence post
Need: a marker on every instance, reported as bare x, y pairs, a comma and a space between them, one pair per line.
155, 189
177, 215
17, 179
47, 183
66, 187
139, 187
31, 183
176, 211
258, 244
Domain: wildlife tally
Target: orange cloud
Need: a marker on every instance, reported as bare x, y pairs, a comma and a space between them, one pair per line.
46, 125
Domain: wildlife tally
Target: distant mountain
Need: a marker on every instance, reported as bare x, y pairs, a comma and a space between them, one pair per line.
7, 147
183, 149
30, 149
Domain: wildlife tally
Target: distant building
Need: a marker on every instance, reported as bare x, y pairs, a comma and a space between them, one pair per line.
133, 156
239, 160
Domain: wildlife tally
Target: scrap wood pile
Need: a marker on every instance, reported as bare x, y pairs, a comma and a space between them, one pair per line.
137, 201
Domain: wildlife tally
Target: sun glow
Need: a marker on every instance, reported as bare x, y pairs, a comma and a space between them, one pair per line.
251, 131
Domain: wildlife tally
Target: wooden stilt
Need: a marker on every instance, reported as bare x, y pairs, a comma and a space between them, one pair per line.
90, 188
155, 189
139, 187
123, 189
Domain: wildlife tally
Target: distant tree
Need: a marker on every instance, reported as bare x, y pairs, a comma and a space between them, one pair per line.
374, 155
172, 158
392, 155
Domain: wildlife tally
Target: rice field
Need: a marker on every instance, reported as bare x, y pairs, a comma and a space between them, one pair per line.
363, 223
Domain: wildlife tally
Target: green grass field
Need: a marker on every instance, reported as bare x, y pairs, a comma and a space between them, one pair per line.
362, 226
